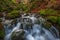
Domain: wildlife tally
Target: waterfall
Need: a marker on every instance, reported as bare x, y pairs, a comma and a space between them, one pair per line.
37, 35
8, 36
37, 32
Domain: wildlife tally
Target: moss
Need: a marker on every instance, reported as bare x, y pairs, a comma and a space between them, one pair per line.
0, 20
46, 25
2, 32
13, 14
52, 19
1, 9
58, 20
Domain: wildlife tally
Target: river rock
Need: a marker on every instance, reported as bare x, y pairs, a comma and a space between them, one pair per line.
26, 22
42, 20
14, 21
2, 32
18, 35
46, 25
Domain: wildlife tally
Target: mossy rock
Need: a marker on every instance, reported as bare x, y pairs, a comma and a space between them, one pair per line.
46, 25
52, 19
12, 15
58, 20
18, 35
0, 20
14, 21
2, 32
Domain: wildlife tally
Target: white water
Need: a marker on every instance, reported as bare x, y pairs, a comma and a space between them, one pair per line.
8, 36
36, 33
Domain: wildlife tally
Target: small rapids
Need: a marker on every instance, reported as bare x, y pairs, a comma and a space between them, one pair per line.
32, 28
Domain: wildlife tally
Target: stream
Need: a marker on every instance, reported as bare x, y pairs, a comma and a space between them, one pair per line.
32, 28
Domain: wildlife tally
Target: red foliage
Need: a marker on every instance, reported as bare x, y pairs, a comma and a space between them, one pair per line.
35, 10
43, 6
18, 1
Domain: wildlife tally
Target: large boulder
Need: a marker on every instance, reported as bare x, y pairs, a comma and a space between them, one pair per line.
2, 32
18, 35
26, 22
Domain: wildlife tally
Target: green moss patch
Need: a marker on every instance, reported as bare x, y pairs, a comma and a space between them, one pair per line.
46, 25
58, 20
2, 32
52, 19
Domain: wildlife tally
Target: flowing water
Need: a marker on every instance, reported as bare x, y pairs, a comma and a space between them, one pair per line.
33, 30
